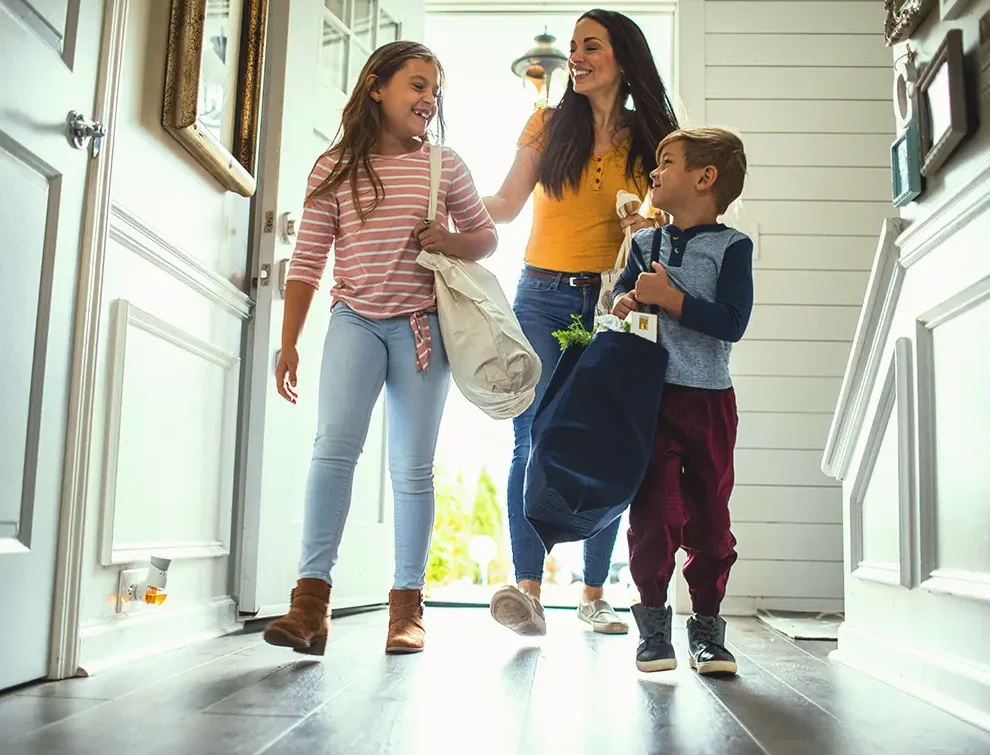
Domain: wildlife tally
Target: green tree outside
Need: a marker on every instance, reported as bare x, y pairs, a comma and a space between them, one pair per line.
459, 517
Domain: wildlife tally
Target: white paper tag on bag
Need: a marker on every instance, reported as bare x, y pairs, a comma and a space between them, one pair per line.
643, 325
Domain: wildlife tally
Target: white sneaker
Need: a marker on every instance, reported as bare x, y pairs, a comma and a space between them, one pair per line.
602, 617
519, 611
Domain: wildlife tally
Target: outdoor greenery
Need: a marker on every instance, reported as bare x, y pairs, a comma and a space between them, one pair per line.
463, 513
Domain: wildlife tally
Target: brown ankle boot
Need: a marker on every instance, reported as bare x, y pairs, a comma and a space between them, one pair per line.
305, 627
406, 632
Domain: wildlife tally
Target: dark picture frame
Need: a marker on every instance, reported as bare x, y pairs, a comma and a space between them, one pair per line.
212, 101
943, 108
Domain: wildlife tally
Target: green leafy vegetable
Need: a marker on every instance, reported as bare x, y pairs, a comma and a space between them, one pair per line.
574, 335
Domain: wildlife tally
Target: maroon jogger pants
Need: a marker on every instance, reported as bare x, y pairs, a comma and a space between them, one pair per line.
684, 500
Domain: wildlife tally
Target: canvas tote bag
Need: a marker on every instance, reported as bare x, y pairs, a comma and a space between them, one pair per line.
491, 361
623, 200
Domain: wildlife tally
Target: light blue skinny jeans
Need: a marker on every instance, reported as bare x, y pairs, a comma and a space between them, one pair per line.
359, 357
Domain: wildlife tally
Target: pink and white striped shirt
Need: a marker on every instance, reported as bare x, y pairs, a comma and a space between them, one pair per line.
375, 268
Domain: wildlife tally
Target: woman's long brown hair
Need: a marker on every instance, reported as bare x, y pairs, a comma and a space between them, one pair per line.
361, 123
570, 129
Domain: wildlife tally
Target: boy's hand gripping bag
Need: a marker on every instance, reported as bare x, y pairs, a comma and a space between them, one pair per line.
593, 434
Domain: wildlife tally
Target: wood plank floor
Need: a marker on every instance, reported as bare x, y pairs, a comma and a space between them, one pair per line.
480, 690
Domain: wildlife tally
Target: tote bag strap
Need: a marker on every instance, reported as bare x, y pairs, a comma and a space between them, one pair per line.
654, 257
655, 249
436, 167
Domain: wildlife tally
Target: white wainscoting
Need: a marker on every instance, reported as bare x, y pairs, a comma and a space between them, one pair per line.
132, 232
107, 644
895, 393
947, 682
163, 377
863, 364
962, 208
954, 476
935, 292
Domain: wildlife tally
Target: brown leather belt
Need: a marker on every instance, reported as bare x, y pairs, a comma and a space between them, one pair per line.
577, 279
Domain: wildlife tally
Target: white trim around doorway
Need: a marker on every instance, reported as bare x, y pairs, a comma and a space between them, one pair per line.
64, 660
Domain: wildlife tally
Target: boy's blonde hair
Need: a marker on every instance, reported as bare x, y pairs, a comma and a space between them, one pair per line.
716, 147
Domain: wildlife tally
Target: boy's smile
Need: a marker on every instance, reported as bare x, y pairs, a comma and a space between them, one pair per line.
672, 182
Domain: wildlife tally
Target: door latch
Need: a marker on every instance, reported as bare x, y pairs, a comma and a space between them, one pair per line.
79, 130
264, 276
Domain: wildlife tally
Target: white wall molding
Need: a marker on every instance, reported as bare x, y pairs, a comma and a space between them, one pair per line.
882, 292
968, 202
92, 253
894, 394
113, 641
127, 316
960, 583
907, 455
947, 683
133, 233
957, 582
737, 605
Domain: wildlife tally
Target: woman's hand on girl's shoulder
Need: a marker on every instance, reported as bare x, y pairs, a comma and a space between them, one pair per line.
433, 237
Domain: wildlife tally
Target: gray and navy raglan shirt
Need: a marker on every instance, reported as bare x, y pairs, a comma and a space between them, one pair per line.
713, 266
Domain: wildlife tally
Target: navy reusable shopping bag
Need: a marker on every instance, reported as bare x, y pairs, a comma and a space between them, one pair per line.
593, 435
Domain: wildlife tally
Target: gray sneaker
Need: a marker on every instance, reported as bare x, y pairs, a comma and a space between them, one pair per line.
654, 653
602, 617
706, 640
519, 611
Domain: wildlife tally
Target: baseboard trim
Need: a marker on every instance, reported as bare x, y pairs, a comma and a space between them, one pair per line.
736, 605
947, 683
122, 639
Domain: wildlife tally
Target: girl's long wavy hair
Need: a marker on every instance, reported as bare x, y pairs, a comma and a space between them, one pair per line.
362, 121
570, 129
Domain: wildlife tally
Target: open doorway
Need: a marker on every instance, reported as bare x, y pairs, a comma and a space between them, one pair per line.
486, 107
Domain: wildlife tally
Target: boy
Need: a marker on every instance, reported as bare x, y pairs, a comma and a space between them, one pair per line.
703, 289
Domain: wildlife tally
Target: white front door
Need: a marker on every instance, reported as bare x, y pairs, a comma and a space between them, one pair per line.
48, 57
315, 51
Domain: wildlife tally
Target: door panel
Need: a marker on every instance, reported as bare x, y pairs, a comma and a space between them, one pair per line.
24, 194
48, 19
48, 55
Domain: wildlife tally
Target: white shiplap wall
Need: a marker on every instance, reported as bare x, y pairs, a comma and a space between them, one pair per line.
807, 85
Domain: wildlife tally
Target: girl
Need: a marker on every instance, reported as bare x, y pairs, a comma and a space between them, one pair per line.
572, 159
368, 196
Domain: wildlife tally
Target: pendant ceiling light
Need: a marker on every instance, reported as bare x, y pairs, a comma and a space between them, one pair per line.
538, 64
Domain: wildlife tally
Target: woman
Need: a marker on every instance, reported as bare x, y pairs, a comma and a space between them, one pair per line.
574, 158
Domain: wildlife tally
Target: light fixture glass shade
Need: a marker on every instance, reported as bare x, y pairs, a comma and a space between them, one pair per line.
538, 64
